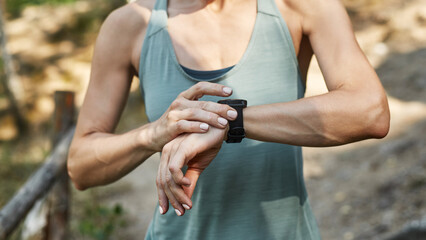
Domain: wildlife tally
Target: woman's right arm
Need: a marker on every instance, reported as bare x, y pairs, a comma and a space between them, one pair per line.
97, 156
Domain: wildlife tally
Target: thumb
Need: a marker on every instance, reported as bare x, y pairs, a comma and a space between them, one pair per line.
192, 174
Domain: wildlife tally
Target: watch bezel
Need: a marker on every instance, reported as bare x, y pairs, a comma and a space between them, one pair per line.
234, 102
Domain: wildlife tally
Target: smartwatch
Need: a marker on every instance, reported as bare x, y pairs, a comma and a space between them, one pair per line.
236, 131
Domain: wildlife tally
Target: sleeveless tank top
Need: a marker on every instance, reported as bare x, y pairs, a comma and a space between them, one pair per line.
251, 190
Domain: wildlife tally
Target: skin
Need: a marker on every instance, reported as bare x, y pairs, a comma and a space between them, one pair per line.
214, 37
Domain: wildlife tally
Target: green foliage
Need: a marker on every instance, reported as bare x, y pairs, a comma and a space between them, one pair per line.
14, 7
100, 222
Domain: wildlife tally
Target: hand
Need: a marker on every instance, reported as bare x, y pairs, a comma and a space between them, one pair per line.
187, 115
194, 150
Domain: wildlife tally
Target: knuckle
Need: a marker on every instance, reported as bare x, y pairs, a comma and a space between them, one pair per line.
172, 115
211, 116
179, 125
173, 169
200, 86
180, 95
176, 103
163, 185
169, 179
224, 108
204, 105
192, 112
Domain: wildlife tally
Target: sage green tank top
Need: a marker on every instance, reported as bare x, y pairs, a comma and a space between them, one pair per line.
251, 190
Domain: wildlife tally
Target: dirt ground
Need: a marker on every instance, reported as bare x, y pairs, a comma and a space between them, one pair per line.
365, 190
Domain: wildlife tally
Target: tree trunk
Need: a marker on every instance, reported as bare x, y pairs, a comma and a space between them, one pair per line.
11, 85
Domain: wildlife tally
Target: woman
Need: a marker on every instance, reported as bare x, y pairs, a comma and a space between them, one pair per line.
188, 55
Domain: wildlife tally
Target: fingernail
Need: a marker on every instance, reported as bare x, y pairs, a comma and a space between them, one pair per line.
232, 114
161, 210
186, 206
204, 126
227, 90
178, 212
222, 121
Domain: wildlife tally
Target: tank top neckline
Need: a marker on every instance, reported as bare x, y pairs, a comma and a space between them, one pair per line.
235, 67
206, 75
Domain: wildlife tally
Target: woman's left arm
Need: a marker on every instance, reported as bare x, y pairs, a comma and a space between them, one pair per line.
355, 108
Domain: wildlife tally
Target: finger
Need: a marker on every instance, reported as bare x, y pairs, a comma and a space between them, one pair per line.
177, 161
161, 181
200, 115
192, 174
185, 126
175, 197
206, 88
222, 110
175, 167
163, 170
172, 187
163, 201
179, 209
177, 175
180, 196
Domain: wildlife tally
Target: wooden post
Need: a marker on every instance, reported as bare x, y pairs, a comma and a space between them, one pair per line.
59, 197
35, 187
64, 116
52, 224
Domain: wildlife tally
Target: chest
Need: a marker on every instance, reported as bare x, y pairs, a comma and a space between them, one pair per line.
209, 40
203, 40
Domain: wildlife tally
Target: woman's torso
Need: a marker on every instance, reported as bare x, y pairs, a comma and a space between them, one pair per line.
252, 190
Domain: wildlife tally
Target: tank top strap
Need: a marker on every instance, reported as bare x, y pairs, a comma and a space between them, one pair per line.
268, 7
158, 19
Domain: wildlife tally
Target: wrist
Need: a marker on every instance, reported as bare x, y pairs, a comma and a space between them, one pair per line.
146, 138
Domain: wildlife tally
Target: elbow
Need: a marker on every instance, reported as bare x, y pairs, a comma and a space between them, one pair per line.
73, 173
379, 118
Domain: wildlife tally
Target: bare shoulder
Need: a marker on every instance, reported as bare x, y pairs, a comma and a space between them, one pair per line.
312, 7
123, 31
129, 19
314, 12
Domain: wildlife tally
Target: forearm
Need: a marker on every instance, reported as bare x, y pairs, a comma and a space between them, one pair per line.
101, 158
334, 118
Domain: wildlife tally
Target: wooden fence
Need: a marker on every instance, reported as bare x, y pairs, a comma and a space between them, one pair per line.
50, 180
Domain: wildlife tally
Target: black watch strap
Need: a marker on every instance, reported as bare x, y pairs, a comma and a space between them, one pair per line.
236, 131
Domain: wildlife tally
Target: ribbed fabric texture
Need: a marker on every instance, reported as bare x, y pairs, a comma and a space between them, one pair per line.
251, 190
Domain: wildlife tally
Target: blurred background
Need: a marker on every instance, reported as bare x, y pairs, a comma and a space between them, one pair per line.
365, 190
